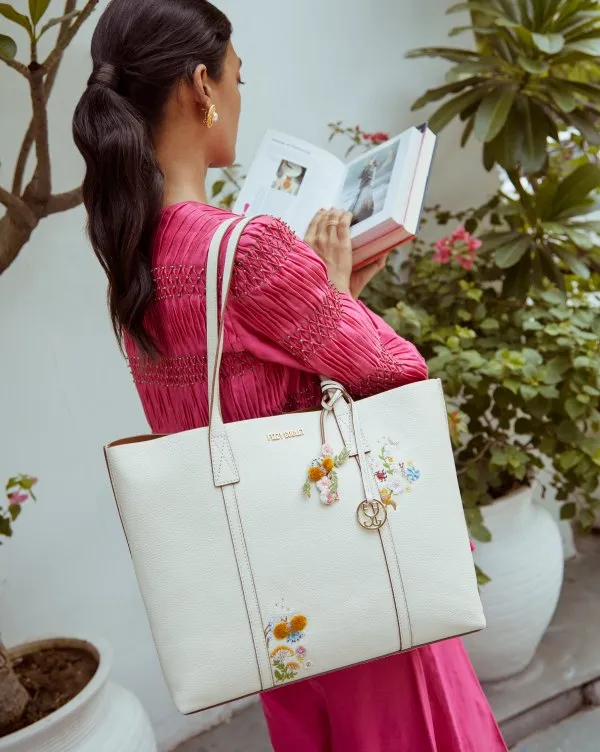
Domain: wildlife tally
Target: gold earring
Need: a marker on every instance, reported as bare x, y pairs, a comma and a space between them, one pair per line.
211, 116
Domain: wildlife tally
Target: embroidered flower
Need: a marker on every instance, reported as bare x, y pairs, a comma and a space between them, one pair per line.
315, 474
322, 472
394, 477
282, 653
387, 498
286, 661
298, 623
330, 498
281, 630
413, 474
327, 450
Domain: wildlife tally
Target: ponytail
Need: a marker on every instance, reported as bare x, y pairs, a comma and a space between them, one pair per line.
151, 46
122, 193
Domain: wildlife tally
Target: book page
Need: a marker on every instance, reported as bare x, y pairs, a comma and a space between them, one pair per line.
290, 179
378, 183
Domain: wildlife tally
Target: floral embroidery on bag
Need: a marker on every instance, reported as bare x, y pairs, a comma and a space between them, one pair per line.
322, 472
284, 635
394, 476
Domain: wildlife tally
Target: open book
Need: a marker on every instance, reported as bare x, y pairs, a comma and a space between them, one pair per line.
383, 188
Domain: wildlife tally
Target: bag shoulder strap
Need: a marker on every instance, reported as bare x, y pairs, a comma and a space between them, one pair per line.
223, 464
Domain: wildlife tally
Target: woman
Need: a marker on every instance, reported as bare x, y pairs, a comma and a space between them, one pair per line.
162, 105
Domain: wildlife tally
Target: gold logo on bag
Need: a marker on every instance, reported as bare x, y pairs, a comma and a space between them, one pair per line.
296, 433
371, 515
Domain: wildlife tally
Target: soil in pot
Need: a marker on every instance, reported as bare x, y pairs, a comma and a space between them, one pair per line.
52, 677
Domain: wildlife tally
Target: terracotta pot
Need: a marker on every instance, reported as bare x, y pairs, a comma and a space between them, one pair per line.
102, 717
525, 561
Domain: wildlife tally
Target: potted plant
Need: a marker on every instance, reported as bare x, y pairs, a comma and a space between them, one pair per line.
516, 335
55, 694
522, 380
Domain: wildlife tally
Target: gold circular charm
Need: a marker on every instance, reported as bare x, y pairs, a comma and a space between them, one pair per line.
371, 515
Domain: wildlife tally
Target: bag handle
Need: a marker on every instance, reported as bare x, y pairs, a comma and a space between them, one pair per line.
223, 462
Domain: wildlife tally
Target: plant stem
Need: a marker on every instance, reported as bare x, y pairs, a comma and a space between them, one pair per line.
27, 143
65, 39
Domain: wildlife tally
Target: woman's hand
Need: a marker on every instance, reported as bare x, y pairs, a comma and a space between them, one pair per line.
329, 235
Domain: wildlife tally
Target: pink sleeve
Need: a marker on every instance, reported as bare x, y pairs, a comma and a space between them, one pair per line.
287, 312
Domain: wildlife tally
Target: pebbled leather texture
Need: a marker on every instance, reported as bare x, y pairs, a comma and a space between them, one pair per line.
220, 532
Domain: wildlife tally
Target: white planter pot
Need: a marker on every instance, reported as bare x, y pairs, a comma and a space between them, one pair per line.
525, 562
103, 717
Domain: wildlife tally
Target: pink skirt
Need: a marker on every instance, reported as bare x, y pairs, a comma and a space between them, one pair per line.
426, 700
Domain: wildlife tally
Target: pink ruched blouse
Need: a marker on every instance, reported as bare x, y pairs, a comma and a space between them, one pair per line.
285, 324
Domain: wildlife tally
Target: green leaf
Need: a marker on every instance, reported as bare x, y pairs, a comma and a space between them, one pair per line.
482, 578
563, 98
551, 44
8, 47
14, 510
556, 369
529, 392
453, 54
448, 111
517, 280
466, 134
510, 254
480, 532
11, 14
341, 458
533, 146
306, 489
55, 21
535, 67
5, 528
217, 187
507, 145
585, 125
37, 8
586, 46
576, 187
587, 518
493, 112
568, 511
574, 408
433, 95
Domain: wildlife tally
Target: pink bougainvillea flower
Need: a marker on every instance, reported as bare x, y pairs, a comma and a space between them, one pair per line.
17, 497
460, 246
376, 138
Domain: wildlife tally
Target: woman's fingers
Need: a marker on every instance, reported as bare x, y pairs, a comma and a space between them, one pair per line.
361, 277
311, 233
344, 227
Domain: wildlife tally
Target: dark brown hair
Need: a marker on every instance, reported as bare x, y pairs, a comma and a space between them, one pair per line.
140, 50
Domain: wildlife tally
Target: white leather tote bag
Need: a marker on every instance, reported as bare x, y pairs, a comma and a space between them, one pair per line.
276, 549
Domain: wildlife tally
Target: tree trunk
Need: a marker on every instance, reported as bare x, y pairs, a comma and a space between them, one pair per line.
13, 236
13, 695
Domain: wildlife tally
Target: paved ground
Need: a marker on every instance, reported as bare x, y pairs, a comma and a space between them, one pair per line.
580, 733
247, 732
551, 690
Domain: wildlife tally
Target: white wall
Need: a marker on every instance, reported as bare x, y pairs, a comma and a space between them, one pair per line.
65, 389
